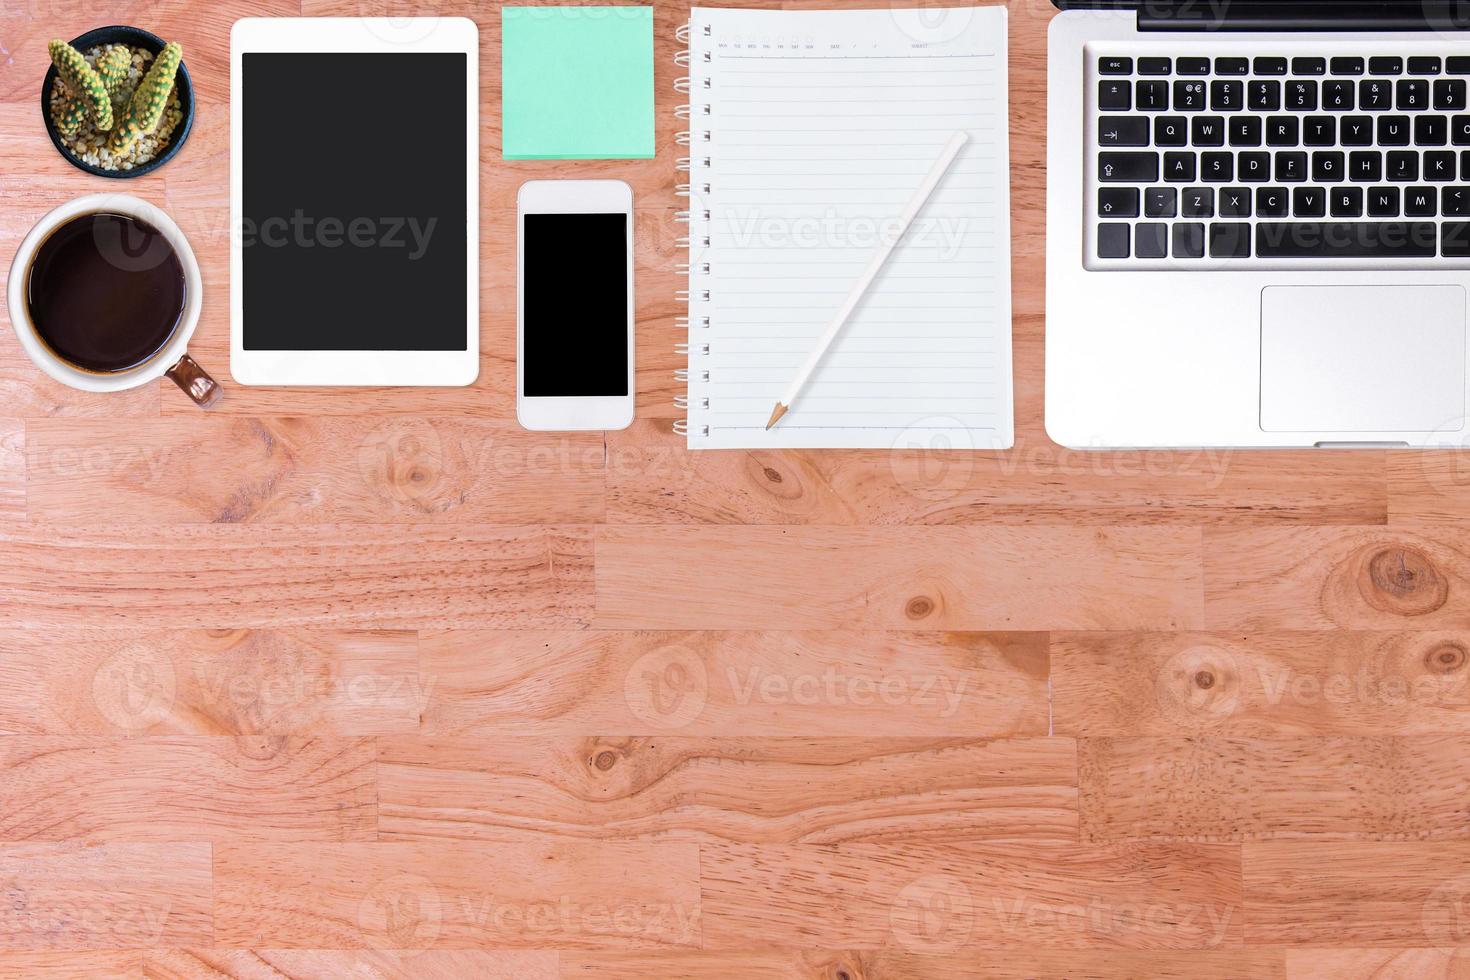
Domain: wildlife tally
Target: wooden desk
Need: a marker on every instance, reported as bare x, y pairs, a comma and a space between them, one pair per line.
325, 678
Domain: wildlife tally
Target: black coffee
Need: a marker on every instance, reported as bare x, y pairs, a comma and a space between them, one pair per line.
106, 292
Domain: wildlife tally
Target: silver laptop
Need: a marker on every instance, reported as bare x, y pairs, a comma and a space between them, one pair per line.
1258, 223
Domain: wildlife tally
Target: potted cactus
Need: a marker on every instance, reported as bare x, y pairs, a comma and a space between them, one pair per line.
117, 101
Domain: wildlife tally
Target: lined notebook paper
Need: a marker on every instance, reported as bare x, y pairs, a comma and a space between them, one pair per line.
808, 132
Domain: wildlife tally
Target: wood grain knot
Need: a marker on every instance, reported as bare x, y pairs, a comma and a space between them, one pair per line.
605, 760
1204, 680
919, 607
1403, 581
1445, 658
771, 476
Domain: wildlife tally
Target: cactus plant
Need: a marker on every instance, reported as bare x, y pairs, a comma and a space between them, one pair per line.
83, 81
149, 100
112, 68
72, 114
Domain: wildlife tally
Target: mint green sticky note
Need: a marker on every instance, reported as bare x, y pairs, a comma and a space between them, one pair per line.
576, 83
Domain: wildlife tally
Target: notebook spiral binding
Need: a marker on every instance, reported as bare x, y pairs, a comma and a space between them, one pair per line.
697, 219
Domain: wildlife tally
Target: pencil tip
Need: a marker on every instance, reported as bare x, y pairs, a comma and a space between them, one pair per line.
776, 414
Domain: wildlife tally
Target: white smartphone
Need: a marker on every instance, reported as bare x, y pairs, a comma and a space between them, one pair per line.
574, 304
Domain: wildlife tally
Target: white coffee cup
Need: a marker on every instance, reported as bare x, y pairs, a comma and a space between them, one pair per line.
172, 360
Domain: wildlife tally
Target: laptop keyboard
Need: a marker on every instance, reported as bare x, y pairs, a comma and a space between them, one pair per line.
1264, 161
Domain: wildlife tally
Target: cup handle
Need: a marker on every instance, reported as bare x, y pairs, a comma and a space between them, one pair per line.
195, 381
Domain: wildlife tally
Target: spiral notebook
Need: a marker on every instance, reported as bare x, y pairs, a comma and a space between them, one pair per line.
807, 133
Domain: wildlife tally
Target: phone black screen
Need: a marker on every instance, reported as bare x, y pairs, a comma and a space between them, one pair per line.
575, 304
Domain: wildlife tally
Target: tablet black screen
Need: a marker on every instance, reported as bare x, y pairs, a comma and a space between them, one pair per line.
353, 201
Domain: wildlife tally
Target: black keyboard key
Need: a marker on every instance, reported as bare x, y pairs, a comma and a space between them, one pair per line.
1207, 131
1112, 240
1189, 240
1357, 131
1347, 66
1413, 94
1114, 95
1346, 202
1189, 96
1232, 66
1421, 202
1454, 239
1385, 66
1192, 66
1122, 131
1197, 202
1217, 168
1171, 131
1179, 167
1327, 166
1155, 66
1465, 164
1117, 202
1423, 66
1383, 202
1230, 240
1115, 66
1153, 96
1454, 202
1272, 202
1150, 240
1403, 166
1337, 96
1439, 166
1246, 131
1460, 130
1459, 65
1343, 240
1291, 166
1269, 66
1283, 131
1235, 202
1263, 95
1308, 66
1301, 95
1160, 202
1393, 130
1309, 202
1254, 166
1127, 168
1449, 94
1430, 131
1375, 95
1227, 95
1365, 165
1319, 131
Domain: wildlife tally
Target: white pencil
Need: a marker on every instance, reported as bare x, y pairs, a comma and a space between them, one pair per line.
905, 218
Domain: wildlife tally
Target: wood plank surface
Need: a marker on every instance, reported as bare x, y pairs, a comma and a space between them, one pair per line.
936, 898
78, 896
1225, 789
1274, 684
889, 964
898, 578
836, 790
754, 682
1351, 894
454, 895
376, 576
368, 682
209, 682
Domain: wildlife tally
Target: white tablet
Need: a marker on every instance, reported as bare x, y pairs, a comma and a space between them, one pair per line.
354, 201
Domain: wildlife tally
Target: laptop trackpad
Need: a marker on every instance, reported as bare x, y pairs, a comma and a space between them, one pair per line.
1362, 358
